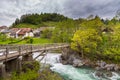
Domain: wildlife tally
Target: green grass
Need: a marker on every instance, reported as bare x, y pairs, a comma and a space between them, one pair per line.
25, 25
8, 41
44, 24
51, 24
18, 41
36, 41
41, 41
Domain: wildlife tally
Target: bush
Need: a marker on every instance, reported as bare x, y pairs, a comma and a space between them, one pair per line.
30, 65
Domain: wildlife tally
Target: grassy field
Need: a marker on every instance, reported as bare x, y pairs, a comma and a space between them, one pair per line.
25, 41
44, 24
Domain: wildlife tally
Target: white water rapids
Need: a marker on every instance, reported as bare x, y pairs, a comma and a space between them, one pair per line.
69, 72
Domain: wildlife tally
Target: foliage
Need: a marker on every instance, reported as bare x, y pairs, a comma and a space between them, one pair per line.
95, 23
3, 37
98, 40
49, 75
30, 72
24, 41
29, 75
36, 19
46, 34
31, 65
29, 40
64, 31
86, 41
111, 45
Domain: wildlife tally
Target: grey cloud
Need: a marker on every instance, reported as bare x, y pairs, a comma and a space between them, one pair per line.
98, 7
11, 9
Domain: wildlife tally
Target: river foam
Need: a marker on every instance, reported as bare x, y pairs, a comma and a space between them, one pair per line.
69, 72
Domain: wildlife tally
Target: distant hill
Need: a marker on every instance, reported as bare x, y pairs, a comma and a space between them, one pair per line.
37, 20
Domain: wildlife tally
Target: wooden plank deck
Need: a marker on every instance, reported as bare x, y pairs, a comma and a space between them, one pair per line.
14, 51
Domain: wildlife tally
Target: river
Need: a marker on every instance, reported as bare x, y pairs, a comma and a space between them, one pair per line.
69, 72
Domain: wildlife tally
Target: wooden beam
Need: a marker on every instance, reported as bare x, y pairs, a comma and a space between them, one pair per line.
39, 55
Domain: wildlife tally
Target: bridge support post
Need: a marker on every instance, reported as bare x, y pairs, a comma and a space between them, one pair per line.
2, 71
13, 65
28, 57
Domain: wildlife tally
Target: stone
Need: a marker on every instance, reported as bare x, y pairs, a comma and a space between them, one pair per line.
70, 60
98, 68
77, 63
116, 68
110, 67
2, 71
98, 63
13, 65
102, 64
64, 62
109, 74
99, 74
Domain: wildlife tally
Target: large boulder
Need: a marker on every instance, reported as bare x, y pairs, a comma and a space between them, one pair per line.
102, 65
99, 74
71, 59
108, 74
98, 68
116, 68
77, 63
110, 67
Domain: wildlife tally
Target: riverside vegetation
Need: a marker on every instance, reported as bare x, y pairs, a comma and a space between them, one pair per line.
93, 37
31, 71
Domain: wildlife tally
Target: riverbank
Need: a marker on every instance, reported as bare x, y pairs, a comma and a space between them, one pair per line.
68, 72
74, 59
57, 71
33, 70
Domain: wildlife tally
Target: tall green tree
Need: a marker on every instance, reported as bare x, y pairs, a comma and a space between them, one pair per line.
64, 31
86, 41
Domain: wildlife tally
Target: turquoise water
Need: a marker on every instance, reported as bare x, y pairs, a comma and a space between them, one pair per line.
69, 72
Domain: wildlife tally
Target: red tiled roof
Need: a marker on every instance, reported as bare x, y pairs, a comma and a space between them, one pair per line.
24, 30
3, 27
14, 30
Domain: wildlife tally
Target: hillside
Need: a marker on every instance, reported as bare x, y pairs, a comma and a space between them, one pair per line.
38, 20
43, 24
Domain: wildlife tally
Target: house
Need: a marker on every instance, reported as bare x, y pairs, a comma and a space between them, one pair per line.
14, 32
5, 30
21, 32
2, 28
37, 32
25, 32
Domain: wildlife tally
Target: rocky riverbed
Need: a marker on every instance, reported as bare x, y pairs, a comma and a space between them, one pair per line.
101, 66
80, 73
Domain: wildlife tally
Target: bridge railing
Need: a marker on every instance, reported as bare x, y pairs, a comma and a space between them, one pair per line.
12, 49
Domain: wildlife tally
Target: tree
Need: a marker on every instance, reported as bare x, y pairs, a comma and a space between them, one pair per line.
64, 31
36, 19
3, 37
86, 41
47, 33
90, 17
95, 23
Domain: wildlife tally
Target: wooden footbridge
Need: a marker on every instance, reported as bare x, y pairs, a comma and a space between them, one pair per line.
10, 55
8, 52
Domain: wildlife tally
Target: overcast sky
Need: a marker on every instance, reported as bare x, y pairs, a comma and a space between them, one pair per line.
12, 9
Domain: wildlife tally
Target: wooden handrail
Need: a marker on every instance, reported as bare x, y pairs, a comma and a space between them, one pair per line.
19, 50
